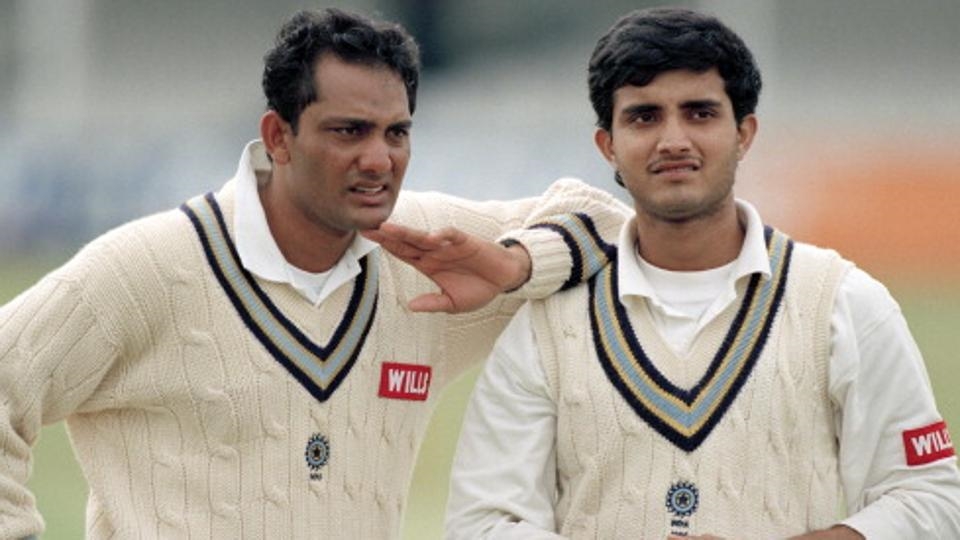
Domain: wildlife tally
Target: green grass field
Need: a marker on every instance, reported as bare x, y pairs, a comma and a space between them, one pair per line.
933, 314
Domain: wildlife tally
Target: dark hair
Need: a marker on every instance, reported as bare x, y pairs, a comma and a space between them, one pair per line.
645, 43
288, 71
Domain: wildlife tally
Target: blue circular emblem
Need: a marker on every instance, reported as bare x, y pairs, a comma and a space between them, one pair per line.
318, 451
683, 498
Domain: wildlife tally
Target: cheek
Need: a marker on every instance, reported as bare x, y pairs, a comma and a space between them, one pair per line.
401, 158
631, 150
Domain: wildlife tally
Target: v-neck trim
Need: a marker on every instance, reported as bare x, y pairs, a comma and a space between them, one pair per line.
686, 417
318, 368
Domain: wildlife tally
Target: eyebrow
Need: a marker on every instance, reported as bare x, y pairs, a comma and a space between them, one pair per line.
701, 104
641, 108
366, 124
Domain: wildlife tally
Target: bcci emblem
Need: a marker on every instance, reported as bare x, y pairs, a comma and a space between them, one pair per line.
317, 454
682, 501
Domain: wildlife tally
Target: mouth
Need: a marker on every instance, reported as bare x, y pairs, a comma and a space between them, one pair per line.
370, 194
673, 167
368, 190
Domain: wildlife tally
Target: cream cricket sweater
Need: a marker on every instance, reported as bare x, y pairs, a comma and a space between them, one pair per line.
736, 440
205, 403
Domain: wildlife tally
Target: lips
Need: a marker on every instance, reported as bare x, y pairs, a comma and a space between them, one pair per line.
370, 194
674, 166
369, 190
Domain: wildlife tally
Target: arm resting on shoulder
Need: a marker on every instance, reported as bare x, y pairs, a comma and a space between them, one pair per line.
554, 241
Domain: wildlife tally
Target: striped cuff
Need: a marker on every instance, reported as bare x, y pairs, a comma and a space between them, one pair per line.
559, 268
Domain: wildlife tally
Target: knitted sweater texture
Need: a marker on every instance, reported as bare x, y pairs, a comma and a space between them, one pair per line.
661, 450
189, 424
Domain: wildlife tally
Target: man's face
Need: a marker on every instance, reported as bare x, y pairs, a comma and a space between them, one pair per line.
676, 145
344, 166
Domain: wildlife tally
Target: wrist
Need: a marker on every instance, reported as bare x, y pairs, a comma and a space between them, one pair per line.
520, 261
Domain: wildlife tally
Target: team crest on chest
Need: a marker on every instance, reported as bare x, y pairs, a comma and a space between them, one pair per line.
683, 499
686, 417
317, 454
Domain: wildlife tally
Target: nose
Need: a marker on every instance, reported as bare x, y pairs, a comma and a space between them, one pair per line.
376, 157
673, 138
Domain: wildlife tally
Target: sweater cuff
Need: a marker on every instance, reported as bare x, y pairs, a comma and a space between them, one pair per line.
550, 262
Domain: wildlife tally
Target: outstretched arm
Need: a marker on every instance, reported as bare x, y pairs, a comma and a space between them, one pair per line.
469, 270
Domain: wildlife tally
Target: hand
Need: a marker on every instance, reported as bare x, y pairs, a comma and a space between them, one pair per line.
470, 271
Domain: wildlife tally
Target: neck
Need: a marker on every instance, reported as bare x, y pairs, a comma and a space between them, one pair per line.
302, 242
689, 246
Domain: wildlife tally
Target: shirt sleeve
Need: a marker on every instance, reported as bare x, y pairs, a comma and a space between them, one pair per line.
503, 482
881, 391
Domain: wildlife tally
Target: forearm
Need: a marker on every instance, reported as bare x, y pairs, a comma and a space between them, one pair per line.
559, 254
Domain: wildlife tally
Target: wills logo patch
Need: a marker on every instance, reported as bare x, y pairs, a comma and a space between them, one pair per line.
683, 498
404, 381
927, 444
317, 454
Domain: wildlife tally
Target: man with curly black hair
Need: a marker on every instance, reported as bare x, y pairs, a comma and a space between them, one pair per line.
246, 366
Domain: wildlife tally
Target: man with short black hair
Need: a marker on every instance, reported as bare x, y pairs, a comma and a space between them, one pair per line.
716, 377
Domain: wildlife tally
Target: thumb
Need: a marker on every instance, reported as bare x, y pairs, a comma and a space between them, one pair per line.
432, 303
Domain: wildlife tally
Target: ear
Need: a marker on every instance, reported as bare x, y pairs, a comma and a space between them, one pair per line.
273, 132
604, 141
745, 134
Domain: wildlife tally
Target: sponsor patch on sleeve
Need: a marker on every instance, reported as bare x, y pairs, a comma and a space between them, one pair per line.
927, 444
404, 381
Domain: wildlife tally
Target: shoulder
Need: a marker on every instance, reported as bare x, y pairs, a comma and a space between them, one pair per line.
133, 259
858, 296
154, 236
817, 266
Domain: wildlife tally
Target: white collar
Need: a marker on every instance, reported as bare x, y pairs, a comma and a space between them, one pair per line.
257, 248
753, 256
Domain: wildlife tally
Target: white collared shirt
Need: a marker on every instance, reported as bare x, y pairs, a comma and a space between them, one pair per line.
682, 303
257, 248
511, 411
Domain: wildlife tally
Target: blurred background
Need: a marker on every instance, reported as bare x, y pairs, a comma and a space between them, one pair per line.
111, 109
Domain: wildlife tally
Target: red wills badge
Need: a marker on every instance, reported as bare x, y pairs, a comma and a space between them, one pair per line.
927, 444
404, 381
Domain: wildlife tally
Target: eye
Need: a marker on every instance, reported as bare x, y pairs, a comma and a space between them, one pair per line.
400, 132
645, 117
349, 131
704, 113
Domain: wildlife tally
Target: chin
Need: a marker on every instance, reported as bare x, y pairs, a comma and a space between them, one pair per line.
371, 222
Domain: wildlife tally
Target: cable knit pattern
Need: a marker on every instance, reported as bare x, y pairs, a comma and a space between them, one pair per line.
767, 470
184, 424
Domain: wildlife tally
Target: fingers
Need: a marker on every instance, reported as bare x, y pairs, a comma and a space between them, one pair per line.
425, 240
431, 303
413, 237
451, 235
